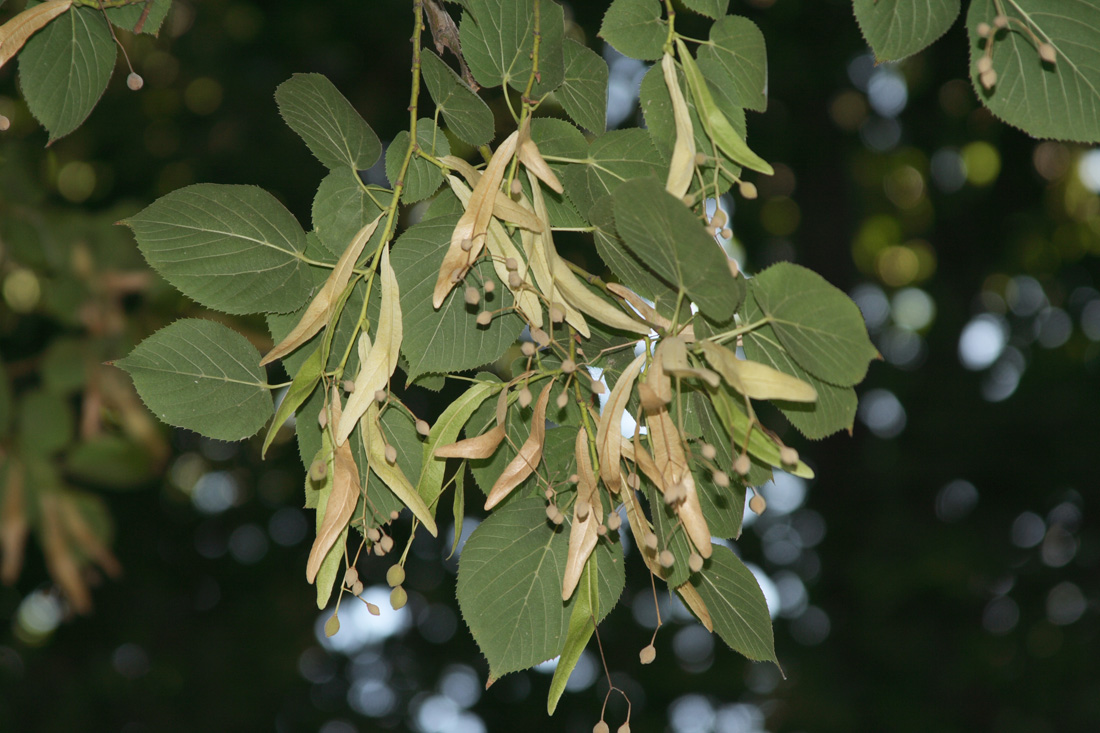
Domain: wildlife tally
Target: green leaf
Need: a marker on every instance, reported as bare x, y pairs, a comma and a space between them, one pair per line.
820, 326
583, 93
341, 207
64, 365
127, 16
895, 29
586, 605
422, 177
466, 114
111, 462
510, 576
612, 158
305, 381
631, 271
669, 238
709, 8
736, 604
670, 535
64, 69
737, 47
46, 422
728, 408
635, 28
835, 407
498, 39
1060, 100
446, 430
331, 128
202, 376
317, 494
448, 339
231, 248
724, 507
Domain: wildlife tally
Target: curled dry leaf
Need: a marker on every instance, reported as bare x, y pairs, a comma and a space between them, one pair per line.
504, 208
376, 367
682, 167
529, 155
391, 474
502, 249
16, 31
755, 380
59, 556
587, 516
13, 525
481, 446
319, 312
527, 460
344, 495
608, 430
474, 223
674, 359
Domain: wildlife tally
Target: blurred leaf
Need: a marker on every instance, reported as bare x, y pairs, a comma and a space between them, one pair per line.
111, 462
334, 132
127, 17
5, 402
736, 604
583, 93
202, 376
46, 422
465, 113
737, 47
422, 177
64, 69
231, 248
635, 28
63, 366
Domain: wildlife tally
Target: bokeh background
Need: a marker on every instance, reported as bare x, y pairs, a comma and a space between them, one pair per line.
941, 573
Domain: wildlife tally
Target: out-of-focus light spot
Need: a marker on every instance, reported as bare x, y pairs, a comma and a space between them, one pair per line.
644, 611
203, 96
76, 181
1067, 514
469, 524
624, 81
860, 70
691, 714
882, 413
584, 674
902, 348
875, 234
248, 544
780, 216
782, 545
913, 309
873, 304
436, 714
956, 98
982, 341
548, 666
785, 493
781, 183
1058, 548
810, 526
1088, 170
373, 698
186, 471
1090, 320
982, 162
159, 68
460, 683
130, 661
793, 598
904, 186
694, 648
1004, 377
956, 500
743, 717
1024, 295
287, 526
887, 91
1051, 160
767, 587
812, 627
437, 623
1053, 327
1000, 615
337, 726
21, 290
848, 110
215, 492
948, 170
37, 616
880, 135
1028, 530
358, 627
316, 666
897, 265
1065, 604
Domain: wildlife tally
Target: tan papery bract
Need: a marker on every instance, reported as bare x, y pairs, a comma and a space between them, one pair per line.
504, 208
376, 368
609, 427
648, 312
319, 312
658, 387
391, 474
638, 526
582, 533
674, 359
541, 255
682, 166
501, 248
694, 601
530, 453
502, 407
13, 524
77, 527
668, 454
474, 222
588, 302
342, 498
18, 29
755, 380
528, 154
481, 446
59, 556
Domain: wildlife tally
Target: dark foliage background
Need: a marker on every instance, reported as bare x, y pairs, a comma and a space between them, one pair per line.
933, 599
